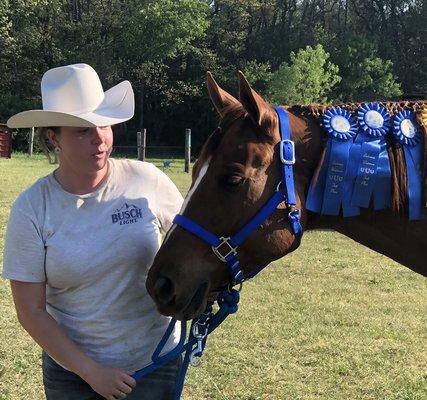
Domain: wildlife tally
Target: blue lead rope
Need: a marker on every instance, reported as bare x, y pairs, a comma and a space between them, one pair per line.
201, 327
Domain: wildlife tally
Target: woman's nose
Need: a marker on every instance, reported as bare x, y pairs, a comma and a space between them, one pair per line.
98, 134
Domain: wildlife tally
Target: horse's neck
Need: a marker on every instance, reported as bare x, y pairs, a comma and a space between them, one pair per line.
395, 237
402, 240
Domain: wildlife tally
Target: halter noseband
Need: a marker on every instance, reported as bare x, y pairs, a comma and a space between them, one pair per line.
225, 248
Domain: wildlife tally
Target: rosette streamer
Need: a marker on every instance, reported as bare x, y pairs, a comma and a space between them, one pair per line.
331, 190
369, 159
408, 133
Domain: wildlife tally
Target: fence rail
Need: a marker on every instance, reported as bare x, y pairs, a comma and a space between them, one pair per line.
141, 148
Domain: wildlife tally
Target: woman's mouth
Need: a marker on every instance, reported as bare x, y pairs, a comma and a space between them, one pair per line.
99, 155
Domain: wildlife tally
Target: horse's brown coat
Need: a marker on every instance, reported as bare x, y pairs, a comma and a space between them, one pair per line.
244, 169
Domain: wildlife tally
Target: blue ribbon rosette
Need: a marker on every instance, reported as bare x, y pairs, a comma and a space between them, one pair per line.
369, 158
408, 133
330, 190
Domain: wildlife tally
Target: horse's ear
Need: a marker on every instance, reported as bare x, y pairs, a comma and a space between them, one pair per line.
254, 104
220, 98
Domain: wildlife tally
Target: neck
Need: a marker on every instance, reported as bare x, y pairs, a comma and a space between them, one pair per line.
81, 183
382, 231
394, 236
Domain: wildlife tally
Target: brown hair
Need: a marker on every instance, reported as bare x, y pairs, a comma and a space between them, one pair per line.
395, 151
45, 144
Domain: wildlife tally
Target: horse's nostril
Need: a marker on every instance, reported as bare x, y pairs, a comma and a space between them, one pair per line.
164, 290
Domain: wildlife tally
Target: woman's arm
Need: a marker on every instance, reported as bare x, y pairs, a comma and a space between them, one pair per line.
30, 304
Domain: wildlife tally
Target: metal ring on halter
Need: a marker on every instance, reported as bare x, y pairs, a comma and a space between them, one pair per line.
231, 287
292, 208
278, 186
229, 250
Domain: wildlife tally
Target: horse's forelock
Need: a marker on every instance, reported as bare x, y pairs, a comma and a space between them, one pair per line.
229, 115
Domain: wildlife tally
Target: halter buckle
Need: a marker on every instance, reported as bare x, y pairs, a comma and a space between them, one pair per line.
229, 248
291, 160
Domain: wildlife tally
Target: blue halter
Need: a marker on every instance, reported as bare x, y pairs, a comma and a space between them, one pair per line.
225, 248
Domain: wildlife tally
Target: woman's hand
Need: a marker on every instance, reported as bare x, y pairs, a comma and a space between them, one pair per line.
30, 302
111, 383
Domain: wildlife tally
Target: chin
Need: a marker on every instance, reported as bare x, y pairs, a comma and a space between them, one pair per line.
99, 164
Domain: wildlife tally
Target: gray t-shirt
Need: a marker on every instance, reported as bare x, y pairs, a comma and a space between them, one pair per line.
94, 251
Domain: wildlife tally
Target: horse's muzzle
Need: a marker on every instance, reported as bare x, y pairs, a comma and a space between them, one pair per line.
164, 291
178, 305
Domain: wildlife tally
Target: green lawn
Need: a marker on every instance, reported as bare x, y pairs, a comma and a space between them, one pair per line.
333, 320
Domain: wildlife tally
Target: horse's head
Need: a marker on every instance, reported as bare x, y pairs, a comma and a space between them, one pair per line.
236, 174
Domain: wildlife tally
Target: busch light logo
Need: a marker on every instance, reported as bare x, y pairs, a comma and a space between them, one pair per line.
128, 214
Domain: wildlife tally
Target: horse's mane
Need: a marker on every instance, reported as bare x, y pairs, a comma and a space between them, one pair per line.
316, 111
395, 150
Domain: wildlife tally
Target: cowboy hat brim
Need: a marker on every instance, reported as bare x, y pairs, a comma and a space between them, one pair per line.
118, 106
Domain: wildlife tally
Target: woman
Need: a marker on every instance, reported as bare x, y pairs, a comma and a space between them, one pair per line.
79, 243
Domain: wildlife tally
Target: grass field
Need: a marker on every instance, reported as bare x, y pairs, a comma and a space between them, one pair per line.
333, 320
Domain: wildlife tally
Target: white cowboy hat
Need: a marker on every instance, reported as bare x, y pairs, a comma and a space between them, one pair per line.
73, 96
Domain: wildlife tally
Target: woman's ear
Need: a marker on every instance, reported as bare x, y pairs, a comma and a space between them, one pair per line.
51, 135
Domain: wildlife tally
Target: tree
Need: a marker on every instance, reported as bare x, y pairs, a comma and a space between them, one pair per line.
162, 43
308, 79
165, 47
7, 48
258, 74
365, 76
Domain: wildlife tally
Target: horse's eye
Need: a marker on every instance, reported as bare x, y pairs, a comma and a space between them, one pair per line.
233, 180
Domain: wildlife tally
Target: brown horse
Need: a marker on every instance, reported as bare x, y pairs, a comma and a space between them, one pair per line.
236, 173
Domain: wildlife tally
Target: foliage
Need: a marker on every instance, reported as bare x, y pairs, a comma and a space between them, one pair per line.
258, 74
164, 29
366, 75
308, 79
165, 47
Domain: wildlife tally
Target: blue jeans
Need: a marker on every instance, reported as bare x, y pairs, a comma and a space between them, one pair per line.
61, 384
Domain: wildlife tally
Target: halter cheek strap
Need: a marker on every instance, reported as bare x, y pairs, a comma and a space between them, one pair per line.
225, 248
287, 157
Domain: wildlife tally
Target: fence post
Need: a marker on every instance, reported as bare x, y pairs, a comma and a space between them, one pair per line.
31, 142
187, 150
141, 139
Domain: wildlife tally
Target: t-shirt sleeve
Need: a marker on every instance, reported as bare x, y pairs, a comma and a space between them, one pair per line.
24, 250
169, 201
